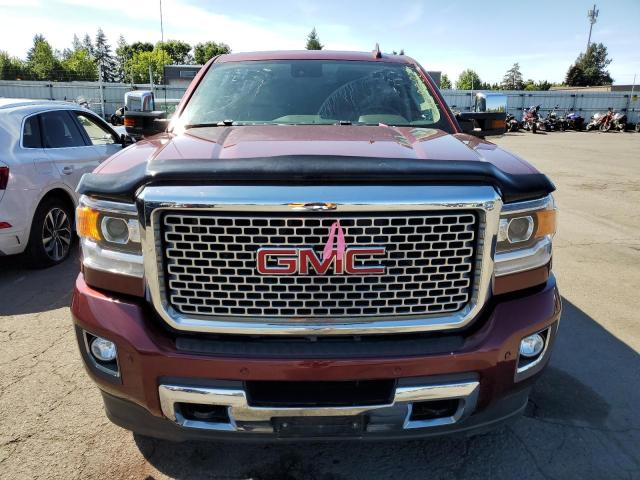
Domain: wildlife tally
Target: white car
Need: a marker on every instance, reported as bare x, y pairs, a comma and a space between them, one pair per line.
45, 147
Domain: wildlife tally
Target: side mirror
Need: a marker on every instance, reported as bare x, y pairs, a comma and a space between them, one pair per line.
145, 124
489, 116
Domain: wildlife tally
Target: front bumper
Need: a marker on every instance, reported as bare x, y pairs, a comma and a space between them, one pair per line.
156, 376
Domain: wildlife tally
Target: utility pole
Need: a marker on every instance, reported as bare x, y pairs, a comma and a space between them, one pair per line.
101, 87
592, 15
164, 60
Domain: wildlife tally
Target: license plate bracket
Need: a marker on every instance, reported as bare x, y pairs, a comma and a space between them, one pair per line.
319, 426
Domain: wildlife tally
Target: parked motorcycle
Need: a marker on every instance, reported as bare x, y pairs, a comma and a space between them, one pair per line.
551, 122
531, 119
512, 123
574, 121
601, 121
619, 122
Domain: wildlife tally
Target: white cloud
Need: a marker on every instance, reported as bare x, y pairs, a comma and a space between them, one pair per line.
182, 21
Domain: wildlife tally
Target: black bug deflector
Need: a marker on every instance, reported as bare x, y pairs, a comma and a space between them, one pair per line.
314, 170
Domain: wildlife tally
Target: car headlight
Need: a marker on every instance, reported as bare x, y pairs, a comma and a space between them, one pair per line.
525, 236
110, 236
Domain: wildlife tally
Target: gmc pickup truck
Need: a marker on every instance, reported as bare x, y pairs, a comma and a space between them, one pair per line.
313, 248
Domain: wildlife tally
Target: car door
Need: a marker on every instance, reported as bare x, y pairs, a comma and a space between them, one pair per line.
102, 138
66, 146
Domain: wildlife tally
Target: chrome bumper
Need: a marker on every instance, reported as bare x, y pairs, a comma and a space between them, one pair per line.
246, 418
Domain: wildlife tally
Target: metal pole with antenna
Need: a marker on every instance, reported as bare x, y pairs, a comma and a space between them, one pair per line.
592, 15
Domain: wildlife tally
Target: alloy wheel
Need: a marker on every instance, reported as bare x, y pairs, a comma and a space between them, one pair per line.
56, 234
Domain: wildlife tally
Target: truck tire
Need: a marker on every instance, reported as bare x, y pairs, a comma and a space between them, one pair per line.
51, 234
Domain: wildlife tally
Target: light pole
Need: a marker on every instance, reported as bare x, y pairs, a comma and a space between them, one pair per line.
592, 15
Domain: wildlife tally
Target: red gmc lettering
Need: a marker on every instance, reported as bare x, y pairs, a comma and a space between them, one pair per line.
305, 261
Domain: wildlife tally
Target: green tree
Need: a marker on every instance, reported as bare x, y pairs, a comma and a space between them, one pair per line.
543, 85
80, 66
203, 52
12, 68
445, 83
41, 61
313, 41
512, 80
138, 66
87, 43
104, 58
76, 44
590, 68
469, 80
124, 56
177, 51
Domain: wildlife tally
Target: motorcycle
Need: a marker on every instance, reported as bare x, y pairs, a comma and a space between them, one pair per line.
511, 123
574, 121
531, 119
551, 121
619, 122
601, 121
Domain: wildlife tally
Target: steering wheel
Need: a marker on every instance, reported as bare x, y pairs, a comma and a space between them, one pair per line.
349, 94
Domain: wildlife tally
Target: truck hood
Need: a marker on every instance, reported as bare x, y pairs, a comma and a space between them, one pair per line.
314, 155
241, 142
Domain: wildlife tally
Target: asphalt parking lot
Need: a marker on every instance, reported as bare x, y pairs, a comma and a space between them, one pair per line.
583, 420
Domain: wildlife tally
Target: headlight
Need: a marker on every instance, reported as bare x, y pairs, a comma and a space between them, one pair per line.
525, 236
110, 236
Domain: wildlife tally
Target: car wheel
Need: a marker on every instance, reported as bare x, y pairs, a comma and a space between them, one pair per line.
51, 234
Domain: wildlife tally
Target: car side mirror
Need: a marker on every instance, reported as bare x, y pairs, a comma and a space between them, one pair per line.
145, 124
489, 116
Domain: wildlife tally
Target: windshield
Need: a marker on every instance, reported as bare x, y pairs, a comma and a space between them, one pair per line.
313, 92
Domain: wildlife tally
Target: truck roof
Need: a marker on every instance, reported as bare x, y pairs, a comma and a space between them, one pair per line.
313, 55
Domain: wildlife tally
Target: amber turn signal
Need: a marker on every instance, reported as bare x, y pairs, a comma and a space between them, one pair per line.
546, 222
87, 223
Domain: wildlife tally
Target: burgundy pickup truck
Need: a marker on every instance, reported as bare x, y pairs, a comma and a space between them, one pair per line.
313, 248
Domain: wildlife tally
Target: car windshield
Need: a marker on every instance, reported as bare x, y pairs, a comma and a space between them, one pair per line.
313, 92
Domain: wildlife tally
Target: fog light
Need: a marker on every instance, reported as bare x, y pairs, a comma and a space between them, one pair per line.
532, 345
104, 350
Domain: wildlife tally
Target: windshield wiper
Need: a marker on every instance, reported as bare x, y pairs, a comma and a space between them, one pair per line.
221, 123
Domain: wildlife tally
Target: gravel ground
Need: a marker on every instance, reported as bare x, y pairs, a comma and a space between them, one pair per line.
582, 421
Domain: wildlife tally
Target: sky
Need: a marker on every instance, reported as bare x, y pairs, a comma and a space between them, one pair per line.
544, 37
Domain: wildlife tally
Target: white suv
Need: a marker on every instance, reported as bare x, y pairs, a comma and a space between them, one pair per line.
45, 147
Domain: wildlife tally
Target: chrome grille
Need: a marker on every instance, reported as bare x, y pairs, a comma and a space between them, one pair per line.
210, 264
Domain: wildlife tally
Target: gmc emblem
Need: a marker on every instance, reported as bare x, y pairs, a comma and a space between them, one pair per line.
305, 261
